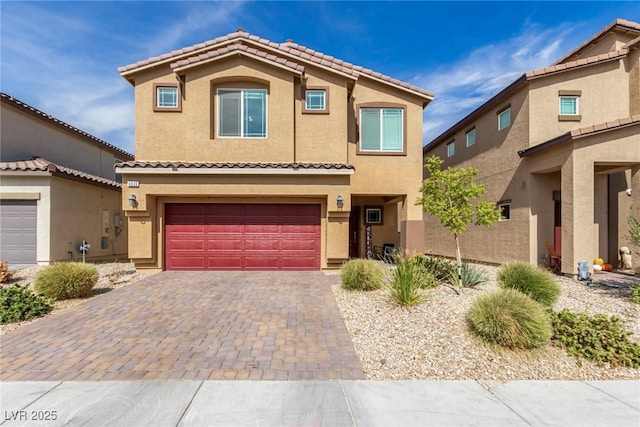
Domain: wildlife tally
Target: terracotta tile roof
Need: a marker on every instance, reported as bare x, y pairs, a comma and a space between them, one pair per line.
227, 50
10, 100
610, 56
581, 133
288, 48
617, 25
38, 164
232, 165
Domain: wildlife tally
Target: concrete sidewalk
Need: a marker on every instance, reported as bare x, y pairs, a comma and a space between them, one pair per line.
321, 403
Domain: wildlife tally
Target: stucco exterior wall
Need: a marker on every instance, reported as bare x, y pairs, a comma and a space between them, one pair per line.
24, 136
599, 84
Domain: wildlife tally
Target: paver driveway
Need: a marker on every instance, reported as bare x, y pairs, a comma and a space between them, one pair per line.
192, 325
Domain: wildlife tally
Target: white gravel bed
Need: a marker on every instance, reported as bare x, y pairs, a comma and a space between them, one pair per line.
112, 275
432, 341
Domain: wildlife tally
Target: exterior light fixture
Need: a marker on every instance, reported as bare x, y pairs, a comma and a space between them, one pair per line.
339, 202
629, 192
132, 201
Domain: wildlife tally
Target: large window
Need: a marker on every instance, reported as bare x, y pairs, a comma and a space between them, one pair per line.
504, 118
382, 130
242, 113
166, 97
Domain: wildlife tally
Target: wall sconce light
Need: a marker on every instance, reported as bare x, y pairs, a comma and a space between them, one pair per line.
629, 192
339, 202
132, 201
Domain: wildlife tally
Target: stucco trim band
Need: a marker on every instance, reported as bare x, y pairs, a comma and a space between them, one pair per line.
19, 196
233, 171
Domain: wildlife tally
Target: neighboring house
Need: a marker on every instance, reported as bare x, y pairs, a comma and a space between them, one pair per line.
252, 154
558, 149
57, 188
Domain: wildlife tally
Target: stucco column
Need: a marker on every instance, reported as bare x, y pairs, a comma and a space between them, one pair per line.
635, 211
412, 226
601, 216
579, 233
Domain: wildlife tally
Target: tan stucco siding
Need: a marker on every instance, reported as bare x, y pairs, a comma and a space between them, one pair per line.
76, 214
599, 84
632, 63
610, 43
24, 137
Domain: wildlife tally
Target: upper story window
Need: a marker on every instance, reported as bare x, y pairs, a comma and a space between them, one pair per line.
382, 130
504, 118
316, 100
504, 207
569, 105
242, 113
166, 97
471, 137
451, 149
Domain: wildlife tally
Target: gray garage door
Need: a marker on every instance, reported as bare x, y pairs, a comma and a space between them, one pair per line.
18, 231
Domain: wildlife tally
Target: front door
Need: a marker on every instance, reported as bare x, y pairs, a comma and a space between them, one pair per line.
354, 232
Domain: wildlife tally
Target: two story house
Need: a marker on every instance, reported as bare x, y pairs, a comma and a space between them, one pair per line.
252, 154
58, 187
559, 151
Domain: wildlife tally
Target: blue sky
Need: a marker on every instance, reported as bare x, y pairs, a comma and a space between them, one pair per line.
61, 57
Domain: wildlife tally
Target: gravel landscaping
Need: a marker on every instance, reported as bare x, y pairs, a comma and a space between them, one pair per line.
432, 341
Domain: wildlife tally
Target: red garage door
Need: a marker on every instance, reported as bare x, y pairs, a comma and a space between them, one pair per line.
242, 237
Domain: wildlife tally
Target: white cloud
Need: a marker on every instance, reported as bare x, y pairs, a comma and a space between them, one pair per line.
464, 85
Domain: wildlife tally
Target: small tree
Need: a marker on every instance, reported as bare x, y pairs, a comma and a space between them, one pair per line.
449, 194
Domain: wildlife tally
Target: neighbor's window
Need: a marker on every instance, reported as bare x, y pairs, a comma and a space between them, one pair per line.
315, 100
373, 216
242, 113
504, 118
382, 130
471, 137
166, 97
451, 149
505, 210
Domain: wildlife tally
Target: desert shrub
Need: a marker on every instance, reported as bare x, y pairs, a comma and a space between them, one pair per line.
5, 274
407, 281
472, 276
66, 280
425, 278
510, 319
440, 267
536, 282
19, 303
635, 293
600, 339
361, 275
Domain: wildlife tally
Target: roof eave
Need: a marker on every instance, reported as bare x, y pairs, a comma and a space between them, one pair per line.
185, 67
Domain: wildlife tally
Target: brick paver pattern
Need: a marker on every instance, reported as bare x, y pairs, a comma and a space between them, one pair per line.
192, 325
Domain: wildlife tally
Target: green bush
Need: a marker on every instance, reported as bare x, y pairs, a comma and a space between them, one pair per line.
407, 281
598, 338
66, 280
472, 276
19, 303
440, 267
510, 319
536, 282
362, 275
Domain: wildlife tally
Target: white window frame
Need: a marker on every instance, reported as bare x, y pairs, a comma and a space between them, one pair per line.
471, 132
381, 110
242, 90
451, 149
500, 115
158, 88
313, 108
574, 97
500, 206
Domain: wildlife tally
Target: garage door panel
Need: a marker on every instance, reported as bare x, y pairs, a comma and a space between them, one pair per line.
18, 231
179, 245
245, 236
187, 262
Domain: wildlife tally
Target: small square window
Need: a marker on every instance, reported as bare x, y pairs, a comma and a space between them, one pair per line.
471, 137
451, 149
504, 119
316, 100
166, 98
569, 106
505, 211
373, 216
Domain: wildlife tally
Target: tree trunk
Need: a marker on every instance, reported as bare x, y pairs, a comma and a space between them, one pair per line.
458, 263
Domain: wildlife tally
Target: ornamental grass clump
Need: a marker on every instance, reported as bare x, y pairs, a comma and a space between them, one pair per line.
361, 275
18, 303
407, 281
510, 319
536, 282
66, 280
